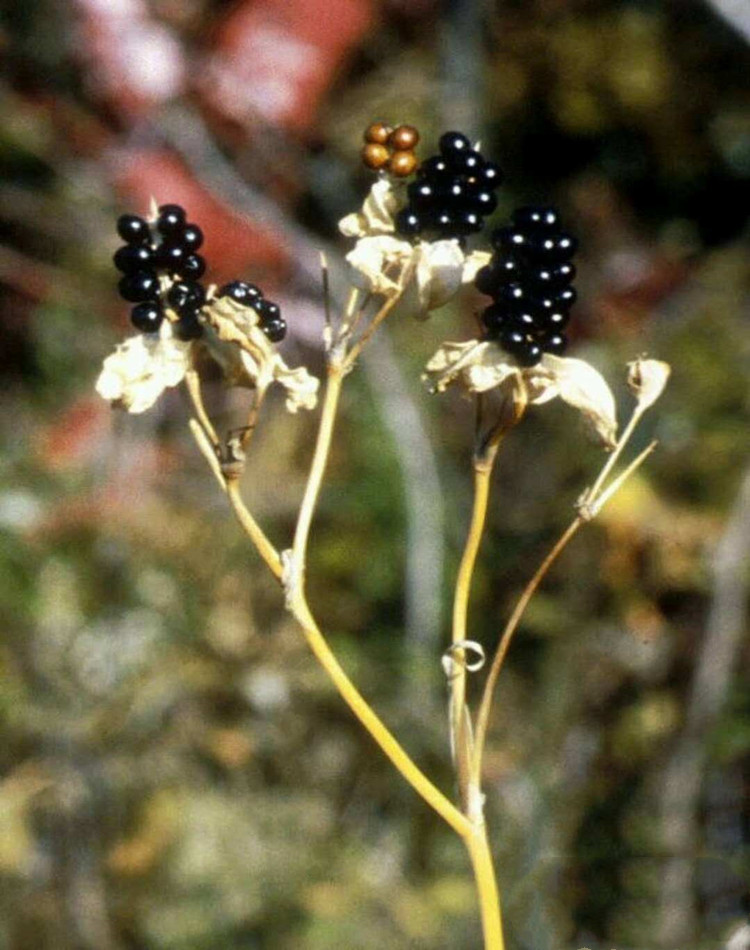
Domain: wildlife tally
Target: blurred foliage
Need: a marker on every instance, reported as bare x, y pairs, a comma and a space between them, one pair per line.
175, 772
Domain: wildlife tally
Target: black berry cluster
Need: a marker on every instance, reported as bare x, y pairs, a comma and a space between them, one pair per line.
529, 279
169, 249
270, 320
453, 193
166, 249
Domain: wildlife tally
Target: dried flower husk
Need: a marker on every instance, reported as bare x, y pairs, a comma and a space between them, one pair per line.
377, 214
380, 256
647, 379
477, 366
248, 358
142, 367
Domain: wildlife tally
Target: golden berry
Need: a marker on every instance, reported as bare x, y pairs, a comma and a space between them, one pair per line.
378, 133
374, 156
404, 138
402, 164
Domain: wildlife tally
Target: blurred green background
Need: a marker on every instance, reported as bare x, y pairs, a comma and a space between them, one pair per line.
175, 771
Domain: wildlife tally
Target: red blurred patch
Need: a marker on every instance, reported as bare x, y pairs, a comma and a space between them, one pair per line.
273, 60
235, 246
76, 436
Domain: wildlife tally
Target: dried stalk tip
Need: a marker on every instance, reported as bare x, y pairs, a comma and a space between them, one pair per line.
647, 379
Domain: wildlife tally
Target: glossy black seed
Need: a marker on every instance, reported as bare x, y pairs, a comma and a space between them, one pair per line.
435, 168
455, 192
490, 175
535, 218
171, 220
147, 317
509, 239
443, 221
422, 193
193, 266
554, 343
550, 250
550, 279
484, 202
241, 291
529, 355
133, 229
408, 222
142, 285
170, 256
133, 257
467, 222
513, 341
268, 310
496, 318
274, 328
566, 297
452, 142
524, 320
465, 162
188, 327
186, 295
492, 278
513, 295
191, 237
487, 281
554, 319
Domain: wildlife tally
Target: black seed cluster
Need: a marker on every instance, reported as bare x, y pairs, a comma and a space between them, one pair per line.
529, 279
168, 248
453, 193
270, 320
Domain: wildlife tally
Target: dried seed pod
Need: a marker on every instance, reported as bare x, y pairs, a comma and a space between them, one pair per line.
402, 164
378, 133
374, 156
404, 138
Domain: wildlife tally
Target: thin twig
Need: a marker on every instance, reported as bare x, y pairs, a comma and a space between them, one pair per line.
208, 451
193, 383
266, 550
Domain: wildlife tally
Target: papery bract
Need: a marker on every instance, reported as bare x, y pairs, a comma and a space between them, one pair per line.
141, 368
480, 365
647, 379
237, 343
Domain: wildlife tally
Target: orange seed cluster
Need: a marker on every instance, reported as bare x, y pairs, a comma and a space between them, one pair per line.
391, 149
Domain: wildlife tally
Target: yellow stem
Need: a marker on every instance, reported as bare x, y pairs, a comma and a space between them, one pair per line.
318, 467
615, 453
266, 550
489, 898
507, 635
482, 474
373, 724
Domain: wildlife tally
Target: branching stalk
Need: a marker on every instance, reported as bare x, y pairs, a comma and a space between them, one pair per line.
374, 725
502, 648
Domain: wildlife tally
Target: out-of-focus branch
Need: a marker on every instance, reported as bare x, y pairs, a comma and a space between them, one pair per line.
684, 773
736, 13
424, 505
